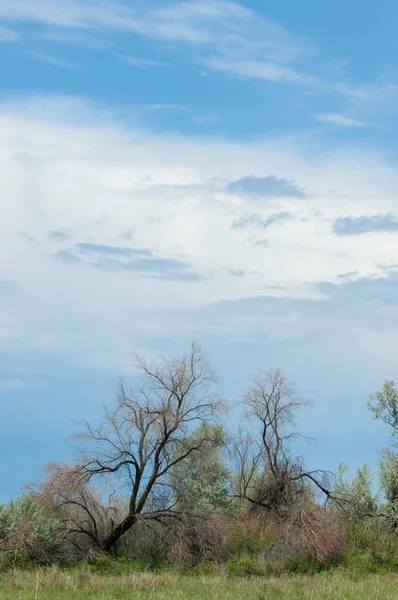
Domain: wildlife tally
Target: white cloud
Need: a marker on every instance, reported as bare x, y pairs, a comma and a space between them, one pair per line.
141, 63
166, 107
245, 41
72, 13
8, 35
75, 39
54, 61
188, 21
367, 92
258, 69
229, 36
67, 165
338, 119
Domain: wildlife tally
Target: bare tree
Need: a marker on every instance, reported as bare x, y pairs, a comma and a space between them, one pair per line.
271, 474
141, 439
87, 511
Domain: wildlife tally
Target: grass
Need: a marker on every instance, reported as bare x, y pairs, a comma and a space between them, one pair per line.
55, 584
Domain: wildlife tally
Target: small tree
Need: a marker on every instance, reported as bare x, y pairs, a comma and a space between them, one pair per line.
202, 481
388, 473
384, 405
356, 496
271, 474
142, 439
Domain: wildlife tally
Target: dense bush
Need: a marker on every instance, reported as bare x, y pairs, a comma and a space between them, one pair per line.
248, 544
28, 532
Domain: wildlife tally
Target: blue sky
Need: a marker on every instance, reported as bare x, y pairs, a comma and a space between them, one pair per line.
219, 170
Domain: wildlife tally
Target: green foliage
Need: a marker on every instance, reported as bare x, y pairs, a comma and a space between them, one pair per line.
242, 566
388, 474
373, 549
251, 541
303, 565
103, 564
384, 405
202, 480
370, 561
28, 531
200, 570
359, 498
146, 543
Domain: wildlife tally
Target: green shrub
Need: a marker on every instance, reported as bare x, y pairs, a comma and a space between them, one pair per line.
103, 564
370, 561
201, 569
28, 532
242, 566
303, 565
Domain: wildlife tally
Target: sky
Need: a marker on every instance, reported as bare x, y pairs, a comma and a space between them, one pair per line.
217, 170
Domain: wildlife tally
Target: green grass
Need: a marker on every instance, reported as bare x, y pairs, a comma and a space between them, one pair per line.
54, 584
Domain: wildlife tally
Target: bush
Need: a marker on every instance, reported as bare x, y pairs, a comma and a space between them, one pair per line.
303, 565
103, 564
242, 566
314, 534
28, 532
373, 537
370, 561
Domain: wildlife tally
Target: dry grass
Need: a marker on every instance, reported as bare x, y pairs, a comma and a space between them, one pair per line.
53, 584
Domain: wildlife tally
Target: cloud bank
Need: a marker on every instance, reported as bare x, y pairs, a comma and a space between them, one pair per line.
146, 214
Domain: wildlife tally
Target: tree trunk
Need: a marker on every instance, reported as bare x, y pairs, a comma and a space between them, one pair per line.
116, 533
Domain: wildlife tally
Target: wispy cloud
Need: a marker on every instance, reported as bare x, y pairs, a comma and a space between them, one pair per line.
123, 258
8, 288
257, 221
233, 38
8, 35
237, 273
27, 236
263, 243
339, 119
55, 62
74, 39
240, 40
361, 93
166, 107
60, 235
140, 63
361, 225
257, 69
128, 234
105, 250
268, 187
20, 385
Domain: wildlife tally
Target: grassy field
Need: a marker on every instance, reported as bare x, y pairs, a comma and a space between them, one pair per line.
53, 584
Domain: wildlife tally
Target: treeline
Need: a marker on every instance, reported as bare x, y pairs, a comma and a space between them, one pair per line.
160, 481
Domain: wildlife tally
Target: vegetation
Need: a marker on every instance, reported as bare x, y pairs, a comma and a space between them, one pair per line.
53, 584
162, 500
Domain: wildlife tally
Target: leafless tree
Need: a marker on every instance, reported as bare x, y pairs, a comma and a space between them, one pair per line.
271, 474
87, 511
138, 443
